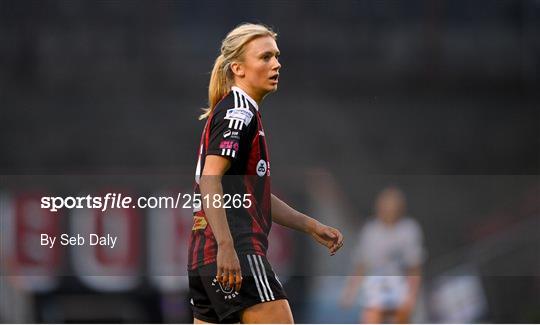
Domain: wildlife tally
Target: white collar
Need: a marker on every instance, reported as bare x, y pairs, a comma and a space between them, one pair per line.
251, 100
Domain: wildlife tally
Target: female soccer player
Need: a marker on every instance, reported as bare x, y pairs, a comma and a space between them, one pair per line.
230, 278
388, 259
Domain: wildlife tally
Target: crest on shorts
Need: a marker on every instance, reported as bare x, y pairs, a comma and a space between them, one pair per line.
228, 292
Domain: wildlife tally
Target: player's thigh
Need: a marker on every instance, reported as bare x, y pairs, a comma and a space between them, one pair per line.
400, 317
372, 316
198, 321
275, 312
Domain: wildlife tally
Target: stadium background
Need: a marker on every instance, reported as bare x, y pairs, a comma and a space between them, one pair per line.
438, 97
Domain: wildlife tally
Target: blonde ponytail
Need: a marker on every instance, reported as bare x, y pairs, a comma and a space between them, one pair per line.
219, 85
232, 49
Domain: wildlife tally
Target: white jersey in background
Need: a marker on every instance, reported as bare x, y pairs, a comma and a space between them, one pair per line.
386, 252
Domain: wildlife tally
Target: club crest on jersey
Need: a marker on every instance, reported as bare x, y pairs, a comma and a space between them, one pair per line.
241, 114
261, 168
228, 292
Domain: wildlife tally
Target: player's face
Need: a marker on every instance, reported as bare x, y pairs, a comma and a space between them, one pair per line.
260, 67
389, 207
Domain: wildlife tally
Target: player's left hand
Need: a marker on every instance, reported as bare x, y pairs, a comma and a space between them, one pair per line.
328, 236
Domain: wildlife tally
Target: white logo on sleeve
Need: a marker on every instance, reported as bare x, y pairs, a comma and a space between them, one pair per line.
239, 114
261, 168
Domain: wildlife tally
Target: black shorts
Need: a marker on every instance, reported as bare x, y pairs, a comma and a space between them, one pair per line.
211, 302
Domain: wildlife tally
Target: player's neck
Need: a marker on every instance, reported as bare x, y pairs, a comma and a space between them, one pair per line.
250, 92
389, 222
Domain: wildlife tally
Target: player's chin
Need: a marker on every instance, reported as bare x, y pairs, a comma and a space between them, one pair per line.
273, 87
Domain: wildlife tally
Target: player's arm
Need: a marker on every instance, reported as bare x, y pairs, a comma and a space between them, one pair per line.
286, 216
228, 265
414, 277
414, 257
352, 285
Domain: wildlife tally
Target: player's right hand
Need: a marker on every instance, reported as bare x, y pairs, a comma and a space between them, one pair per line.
229, 273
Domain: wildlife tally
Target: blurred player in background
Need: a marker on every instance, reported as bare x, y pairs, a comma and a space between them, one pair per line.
230, 277
388, 261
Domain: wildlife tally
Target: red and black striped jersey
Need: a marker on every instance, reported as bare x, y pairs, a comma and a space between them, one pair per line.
234, 130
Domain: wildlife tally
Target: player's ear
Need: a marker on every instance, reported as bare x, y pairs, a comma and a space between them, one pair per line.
237, 69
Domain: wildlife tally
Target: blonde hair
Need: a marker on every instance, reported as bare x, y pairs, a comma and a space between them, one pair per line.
232, 50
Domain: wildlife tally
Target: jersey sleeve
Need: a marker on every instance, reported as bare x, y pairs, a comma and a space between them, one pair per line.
230, 131
359, 255
414, 252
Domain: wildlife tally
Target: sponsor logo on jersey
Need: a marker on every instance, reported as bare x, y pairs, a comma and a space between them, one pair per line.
242, 114
231, 134
229, 144
261, 168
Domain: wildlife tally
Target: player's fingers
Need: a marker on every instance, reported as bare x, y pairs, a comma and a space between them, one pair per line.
219, 274
238, 281
330, 232
339, 237
231, 279
336, 246
330, 244
326, 238
225, 278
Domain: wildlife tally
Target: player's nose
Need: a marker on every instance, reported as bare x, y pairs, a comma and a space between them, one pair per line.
277, 65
